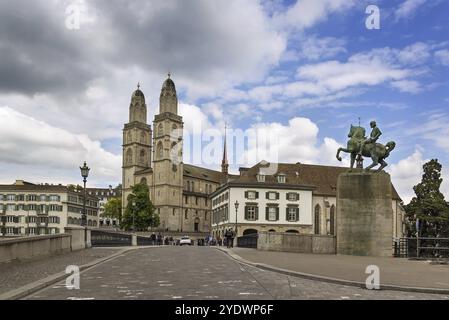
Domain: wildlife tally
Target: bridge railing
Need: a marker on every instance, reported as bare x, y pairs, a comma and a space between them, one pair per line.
248, 241
421, 247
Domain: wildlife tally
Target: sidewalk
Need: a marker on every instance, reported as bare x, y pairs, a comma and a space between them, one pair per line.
394, 272
19, 274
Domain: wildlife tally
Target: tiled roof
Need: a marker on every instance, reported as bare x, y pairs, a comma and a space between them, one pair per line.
323, 178
206, 174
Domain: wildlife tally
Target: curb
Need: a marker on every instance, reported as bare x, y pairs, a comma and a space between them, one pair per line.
33, 287
313, 277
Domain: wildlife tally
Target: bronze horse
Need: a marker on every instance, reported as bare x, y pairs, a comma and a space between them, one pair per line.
376, 151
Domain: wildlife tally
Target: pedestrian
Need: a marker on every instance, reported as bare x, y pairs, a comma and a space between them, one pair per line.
153, 239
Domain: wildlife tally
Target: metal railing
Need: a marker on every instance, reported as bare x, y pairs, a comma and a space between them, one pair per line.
421, 247
110, 239
248, 241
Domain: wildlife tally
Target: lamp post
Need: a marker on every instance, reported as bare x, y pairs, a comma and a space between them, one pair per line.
84, 173
236, 204
134, 214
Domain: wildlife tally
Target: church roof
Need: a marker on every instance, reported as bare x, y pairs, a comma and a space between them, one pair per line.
205, 174
322, 178
168, 87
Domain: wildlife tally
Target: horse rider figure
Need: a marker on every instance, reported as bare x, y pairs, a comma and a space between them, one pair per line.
375, 134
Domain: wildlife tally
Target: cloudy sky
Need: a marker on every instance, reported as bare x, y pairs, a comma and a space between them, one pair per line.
302, 71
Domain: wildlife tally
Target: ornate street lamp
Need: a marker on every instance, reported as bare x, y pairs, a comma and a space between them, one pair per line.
134, 214
84, 173
236, 204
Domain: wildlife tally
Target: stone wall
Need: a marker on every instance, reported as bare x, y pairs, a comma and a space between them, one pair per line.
32, 247
46, 245
364, 214
292, 242
78, 238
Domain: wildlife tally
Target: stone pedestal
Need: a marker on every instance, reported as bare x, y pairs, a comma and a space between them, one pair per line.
364, 214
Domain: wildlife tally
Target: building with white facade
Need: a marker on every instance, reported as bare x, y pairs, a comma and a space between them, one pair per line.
38, 209
284, 197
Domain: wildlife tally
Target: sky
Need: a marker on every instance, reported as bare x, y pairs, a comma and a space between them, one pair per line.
300, 72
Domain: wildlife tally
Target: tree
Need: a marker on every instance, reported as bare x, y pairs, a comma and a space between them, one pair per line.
429, 205
142, 214
113, 209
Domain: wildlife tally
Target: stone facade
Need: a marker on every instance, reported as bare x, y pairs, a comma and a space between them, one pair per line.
178, 191
364, 214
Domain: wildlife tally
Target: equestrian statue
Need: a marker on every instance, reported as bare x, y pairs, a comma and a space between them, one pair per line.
361, 146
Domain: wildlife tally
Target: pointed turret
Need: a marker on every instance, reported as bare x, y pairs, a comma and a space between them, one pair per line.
224, 162
168, 100
138, 107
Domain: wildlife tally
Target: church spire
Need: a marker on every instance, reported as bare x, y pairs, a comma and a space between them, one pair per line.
168, 101
224, 162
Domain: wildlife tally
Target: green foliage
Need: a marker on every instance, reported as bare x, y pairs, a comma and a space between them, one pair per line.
140, 211
113, 209
429, 205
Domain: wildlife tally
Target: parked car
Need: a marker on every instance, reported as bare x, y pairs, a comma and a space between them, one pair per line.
185, 241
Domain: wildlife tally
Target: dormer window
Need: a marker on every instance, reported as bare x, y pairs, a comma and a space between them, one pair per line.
281, 178
260, 178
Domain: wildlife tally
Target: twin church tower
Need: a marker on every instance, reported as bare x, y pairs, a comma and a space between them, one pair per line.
178, 191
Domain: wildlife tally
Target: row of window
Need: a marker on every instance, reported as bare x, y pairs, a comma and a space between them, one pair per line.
76, 199
186, 214
90, 212
190, 186
198, 201
280, 178
30, 207
271, 213
271, 195
33, 231
32, 219
78, 221
30, 197
223, 197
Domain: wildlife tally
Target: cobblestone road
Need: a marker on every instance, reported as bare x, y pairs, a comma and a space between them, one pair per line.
201, 273
19, 273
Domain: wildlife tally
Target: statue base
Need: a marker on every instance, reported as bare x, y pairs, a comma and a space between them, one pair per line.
364, 214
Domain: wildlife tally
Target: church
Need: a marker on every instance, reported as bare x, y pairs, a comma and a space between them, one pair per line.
298, 198
153, 155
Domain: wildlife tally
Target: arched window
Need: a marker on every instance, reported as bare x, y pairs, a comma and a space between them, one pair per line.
186, 214
142, 137
160, 130
129, 156
160, 150
143, 181
317, 218
142, 156
130, 137
332, 220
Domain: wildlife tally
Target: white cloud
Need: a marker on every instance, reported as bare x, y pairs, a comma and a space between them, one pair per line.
306, 13
408, 8
443, 56
407, 173
295, 142
410, 86
27, 142
313, 48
